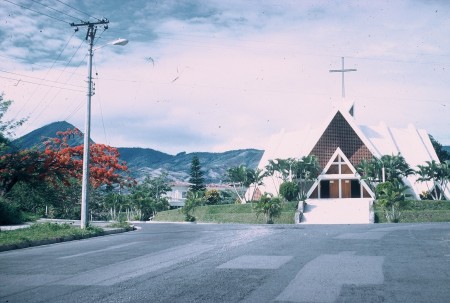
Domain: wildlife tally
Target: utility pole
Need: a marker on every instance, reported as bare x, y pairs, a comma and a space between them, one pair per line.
90, 36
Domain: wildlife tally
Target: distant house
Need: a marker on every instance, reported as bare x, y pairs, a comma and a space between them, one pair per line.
178, 195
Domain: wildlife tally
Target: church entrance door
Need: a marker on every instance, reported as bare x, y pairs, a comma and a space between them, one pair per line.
334, 189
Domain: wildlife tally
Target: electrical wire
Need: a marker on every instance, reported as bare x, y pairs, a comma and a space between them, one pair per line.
45, 76
35, 11
32, 64
37, 78
40, 84
80, 11
78, 107
47, 105
54, 9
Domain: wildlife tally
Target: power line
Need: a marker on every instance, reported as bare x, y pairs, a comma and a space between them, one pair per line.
80, 11
32, 64
54, 97
54, 9
48, 71
37, 12
40, 84
37, 78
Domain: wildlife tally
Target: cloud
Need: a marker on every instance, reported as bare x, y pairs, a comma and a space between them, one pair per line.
229, 74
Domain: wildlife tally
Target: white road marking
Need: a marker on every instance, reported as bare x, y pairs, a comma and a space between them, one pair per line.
369, 235
122, 271
100, 250
256, 262
321, 279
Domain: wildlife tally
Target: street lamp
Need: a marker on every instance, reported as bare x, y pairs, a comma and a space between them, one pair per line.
87, 127
119, 41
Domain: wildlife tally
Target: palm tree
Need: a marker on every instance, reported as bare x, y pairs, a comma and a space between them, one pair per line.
254, 177
304, 170
271, 170
438, 173
395, 169
236, 176
270, 206
370, 172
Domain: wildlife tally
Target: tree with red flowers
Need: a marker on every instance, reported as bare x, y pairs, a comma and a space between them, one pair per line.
60, 162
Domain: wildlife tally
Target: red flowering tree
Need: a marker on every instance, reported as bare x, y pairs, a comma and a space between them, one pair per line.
61, 162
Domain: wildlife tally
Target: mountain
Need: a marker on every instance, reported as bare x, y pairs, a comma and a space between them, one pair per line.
40, 135
144, 162
447, 148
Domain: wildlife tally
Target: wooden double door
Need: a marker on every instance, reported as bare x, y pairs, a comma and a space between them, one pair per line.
340, 188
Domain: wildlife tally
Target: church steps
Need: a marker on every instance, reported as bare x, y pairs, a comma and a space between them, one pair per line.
337, 211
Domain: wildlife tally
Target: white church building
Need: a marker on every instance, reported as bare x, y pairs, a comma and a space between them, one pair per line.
339, 195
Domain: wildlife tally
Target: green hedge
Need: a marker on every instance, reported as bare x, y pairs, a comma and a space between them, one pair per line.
9, 213
47, 231
229, 213
419, 211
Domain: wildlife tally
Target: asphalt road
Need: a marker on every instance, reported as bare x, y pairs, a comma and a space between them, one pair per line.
237, 263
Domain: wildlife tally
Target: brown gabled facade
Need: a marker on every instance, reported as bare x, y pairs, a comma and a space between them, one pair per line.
340, 134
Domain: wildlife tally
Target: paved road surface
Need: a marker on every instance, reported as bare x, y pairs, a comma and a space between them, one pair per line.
237, 263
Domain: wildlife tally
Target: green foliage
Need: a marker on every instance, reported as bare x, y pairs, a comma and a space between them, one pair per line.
7, 127
290, 191
230, 213
438, 174
149, 197
395, 168
196, 176
121, 224
242, 177
9, 213
44, 199
212, 197
417, 211
270, 206
46, 231
193, 200
442, 154
390, 197
300, 171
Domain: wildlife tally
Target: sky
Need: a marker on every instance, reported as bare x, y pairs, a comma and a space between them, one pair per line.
220, 75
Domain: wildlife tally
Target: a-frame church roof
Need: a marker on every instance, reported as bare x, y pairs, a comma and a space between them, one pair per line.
299, 143
357, 142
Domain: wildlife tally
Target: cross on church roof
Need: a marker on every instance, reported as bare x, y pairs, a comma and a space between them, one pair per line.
343, 70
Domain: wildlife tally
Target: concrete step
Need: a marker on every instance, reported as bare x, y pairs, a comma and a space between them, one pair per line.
337, 211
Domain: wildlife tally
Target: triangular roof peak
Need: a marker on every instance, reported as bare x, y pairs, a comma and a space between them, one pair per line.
336, 116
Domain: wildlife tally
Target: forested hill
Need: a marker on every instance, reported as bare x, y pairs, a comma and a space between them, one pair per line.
149, 162
40, 135
145, 161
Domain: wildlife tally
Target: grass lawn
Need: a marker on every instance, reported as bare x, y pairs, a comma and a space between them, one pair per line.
46, 232
419, 211
229, 213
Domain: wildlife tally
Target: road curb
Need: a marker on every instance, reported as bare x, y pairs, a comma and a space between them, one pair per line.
106, 232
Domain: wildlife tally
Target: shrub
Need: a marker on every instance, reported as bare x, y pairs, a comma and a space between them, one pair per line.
212, 197
269, 206
289, 191
193, 200
390, 196
9, 213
